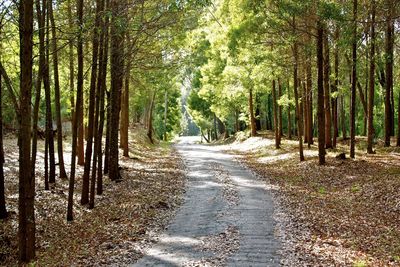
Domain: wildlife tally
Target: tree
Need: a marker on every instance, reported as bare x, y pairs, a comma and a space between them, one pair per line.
353, 84
117, 61
78, 111
320, 113
371, 91
61, 165
26, 216
3, 210
389, 40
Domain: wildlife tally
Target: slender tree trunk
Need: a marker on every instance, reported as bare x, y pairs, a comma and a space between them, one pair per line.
299, 118
125, 113
335, 90
108, 131
353, 84
78, 111
371, 91
253, 126
71, 64
117, 61
3, 210
26, 218
61, 165
81, 130
321, 113
398, 122
289, 125
343, 118
305, 110
42, 59
327, 92
47, 90
309, 101
102, 82
150, 118
92, 103
389, 71
280, 120
166, 116
276, 123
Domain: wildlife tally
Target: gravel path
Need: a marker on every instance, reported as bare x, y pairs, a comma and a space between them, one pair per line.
226, 218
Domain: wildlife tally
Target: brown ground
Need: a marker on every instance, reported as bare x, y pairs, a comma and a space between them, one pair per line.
122, 223
346, 213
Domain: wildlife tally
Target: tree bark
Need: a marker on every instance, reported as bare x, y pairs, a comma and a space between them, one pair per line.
3, 210
321, 113
61, 165
102, 82
327, 92
41, 23
125, 113
335, 90
280, 120
253, 126
310, 139
371, 90
26, 218
92, 103
166, 116
299, 118
150, 117
289, 125
276, 123
353, 84
47, 90
117, 61
78, 111
389, 40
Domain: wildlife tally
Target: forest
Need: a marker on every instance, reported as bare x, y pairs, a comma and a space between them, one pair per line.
97, 94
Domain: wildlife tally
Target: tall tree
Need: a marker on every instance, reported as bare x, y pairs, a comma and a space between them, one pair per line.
253, 126
92, 98
299, 118
320, 112
327, 91
47, 91
3, 210
276, 123
78, 111
61, 164
389, 42
371, 91
26, 216
117, 74
353, 83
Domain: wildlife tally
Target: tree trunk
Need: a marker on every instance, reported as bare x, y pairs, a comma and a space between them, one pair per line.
42, 59
335, 90
371, 91
299, 118
353, 84
327, 92
398, 122
166, 116
289, 125
321, 113
47, 90
3, 210
102, 82
150, 117
253, 126
280, 110
26, 217
61, 165
125, 113
276, 123
78, 112
117, 61
71, 64
309, 100
92, 99
389, 71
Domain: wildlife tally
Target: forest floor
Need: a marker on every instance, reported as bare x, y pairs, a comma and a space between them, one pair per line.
125, 218
345, 213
